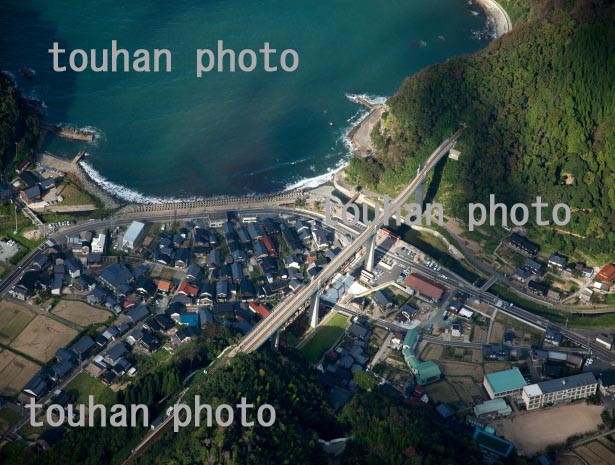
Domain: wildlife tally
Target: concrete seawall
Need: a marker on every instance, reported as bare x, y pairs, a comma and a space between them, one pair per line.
67, 166
494, 10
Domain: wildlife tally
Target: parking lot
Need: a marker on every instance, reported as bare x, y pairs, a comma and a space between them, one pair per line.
8, 248
60, 224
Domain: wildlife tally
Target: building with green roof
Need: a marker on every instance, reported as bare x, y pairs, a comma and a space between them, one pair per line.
411, 340
492, 443
497, 406
504, 383
424, 372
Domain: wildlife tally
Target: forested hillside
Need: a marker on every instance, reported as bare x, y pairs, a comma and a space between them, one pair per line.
302, 416
540, 108
385, 430
19, 125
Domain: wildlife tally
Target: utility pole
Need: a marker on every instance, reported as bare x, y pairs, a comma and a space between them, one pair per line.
16, 229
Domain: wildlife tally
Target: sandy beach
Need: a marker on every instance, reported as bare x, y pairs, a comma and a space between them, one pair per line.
360, 135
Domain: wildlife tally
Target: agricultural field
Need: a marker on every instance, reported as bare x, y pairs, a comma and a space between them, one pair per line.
463, 371
81, 313
497, 332
461, 384
597, 452
324, 337
15, 372
14, 319
8, 417
42, 337
523, 335
479, 331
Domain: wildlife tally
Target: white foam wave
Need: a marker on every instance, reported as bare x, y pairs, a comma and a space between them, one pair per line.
99, 134
315, 181
133, 196
344, 137
310, 183
35, 96
123, 192
11, 76
130, 195
369, 98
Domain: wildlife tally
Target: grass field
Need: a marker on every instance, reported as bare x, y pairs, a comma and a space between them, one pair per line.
14, 319
8, 417
324, 337
15, 372
42, 337
81, 313
84, 385
74, 195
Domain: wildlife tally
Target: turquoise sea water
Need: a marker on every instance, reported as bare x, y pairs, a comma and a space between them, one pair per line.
173, 135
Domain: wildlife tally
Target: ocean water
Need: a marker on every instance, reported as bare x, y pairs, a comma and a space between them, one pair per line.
174, 135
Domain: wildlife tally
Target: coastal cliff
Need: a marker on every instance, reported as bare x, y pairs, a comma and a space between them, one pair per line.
19, 126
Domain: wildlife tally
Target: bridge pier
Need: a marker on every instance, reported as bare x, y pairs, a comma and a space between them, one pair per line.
275, 340
370, 253
314, 307
419, 193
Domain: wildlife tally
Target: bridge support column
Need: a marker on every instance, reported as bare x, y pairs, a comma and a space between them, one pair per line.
314, 307
275, 340
370, 253
419, 193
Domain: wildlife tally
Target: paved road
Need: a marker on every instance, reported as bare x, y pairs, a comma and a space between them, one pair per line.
290, 305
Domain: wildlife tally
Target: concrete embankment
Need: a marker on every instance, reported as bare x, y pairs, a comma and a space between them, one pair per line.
223, 204
69, 133
67, 166
494, 10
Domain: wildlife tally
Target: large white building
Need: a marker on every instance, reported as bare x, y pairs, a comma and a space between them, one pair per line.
98, 244
133, 235
560, 390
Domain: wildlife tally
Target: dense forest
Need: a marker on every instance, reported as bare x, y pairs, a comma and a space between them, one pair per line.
387, 431
19, 126
384, 428
540, 107
286, 382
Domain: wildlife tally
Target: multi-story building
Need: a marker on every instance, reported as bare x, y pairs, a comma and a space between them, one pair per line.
98, 244
560, 390
508, 383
